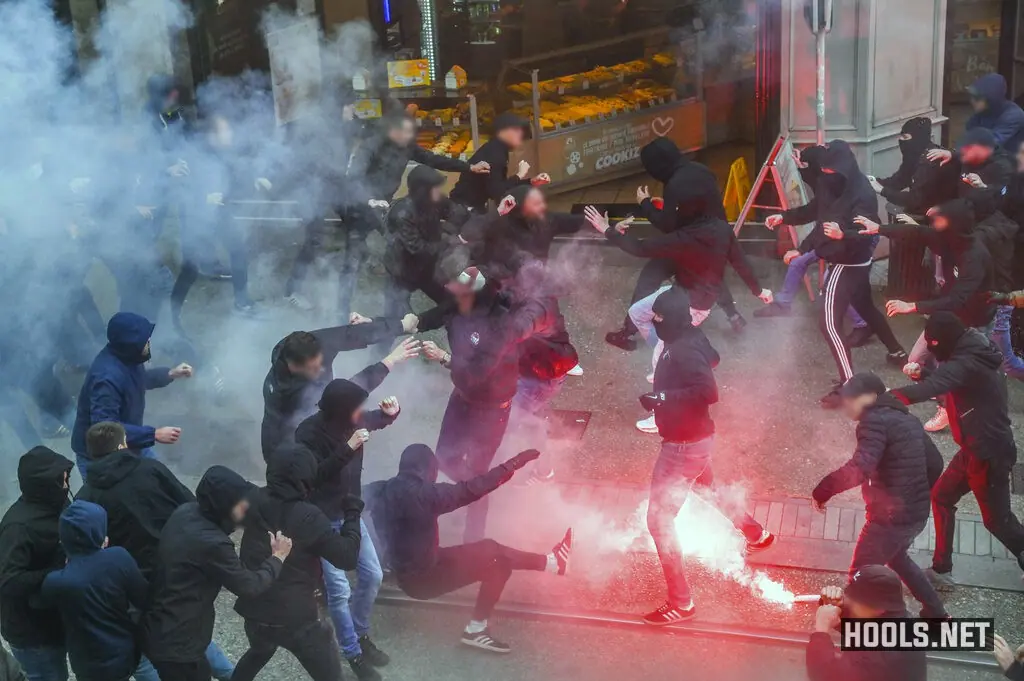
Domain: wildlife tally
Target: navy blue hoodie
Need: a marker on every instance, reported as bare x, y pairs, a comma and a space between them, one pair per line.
1003, 117
115, 387
94, 594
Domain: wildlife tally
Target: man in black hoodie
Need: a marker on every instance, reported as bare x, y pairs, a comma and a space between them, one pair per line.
301, 365
286, 615
917, 184
406, 508
477, 190
335, 435
895, 463
691, 195
843, 193
684, 390
968, 375
195, 560
29, 550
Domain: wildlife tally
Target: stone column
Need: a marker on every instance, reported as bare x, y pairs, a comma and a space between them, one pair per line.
884, 64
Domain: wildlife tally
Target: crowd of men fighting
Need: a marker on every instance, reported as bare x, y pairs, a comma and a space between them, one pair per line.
122, 580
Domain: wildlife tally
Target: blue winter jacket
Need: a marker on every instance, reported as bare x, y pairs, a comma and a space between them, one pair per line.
94, 594
115, 387
1003, 117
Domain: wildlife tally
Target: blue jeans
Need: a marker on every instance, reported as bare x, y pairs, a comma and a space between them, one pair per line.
350, 608
145, 671
83, 463
795, 274
528, 418
679, 467
1012, 364
220, 665
48, 663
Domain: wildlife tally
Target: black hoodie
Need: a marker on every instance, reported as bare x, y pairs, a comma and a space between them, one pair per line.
30, 548
691, 190
420, 230
289, 398
405, 508
474, 190
326, 434
139, 495
685, 378
197, 558
839, 197
282, 506
918, 184
969, 376
895, 464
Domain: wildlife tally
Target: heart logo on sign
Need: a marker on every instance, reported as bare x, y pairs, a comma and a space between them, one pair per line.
662, 126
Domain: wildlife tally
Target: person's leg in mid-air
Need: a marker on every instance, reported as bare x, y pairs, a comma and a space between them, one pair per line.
652, 276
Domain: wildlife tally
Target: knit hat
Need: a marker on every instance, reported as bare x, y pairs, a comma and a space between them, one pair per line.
863, 383
981, 137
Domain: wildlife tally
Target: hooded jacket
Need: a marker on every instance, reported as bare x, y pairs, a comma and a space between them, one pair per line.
30, 548
995, 172
282, 506
94, 594
895, 464
839, 197
918, 184
197, 558
405, 508
969, 376
691, 190
419, 230
326, 433
138, 495
998, 234
1002, 116
474, 190
684, 379
289, 398
115, 385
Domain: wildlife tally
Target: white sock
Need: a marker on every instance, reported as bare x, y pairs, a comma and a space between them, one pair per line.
552, 565
475, 627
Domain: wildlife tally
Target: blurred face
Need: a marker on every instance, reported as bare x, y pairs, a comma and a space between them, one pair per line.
171, 100
310, 369
436, 194
221, 134
854, 406
147, 351
513, 137
238, 511
535, 206
853, 609
940, 223
402, 133
978, 104
975, 154
357, 416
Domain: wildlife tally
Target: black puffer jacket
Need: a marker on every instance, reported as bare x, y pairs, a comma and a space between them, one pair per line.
326, 434
969, 376
30, 548
139, 496
196, 559
895, 464
691, 189
282, 506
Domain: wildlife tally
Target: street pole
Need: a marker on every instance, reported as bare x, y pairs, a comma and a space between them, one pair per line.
819, 105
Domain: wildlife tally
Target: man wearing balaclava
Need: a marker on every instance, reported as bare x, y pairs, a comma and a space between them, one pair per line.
335, 435
287, 614
684, 390
975, 389
917, 184
115, 388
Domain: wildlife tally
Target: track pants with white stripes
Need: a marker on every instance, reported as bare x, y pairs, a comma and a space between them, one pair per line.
847, 285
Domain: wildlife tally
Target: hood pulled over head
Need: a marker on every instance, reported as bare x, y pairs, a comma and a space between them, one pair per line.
340, 400
418, 460
83, 528
942, 332
127, 336
661, 158
291, 473
673, 306
218, 492
992, 88
960, 216
41, 473
422, 180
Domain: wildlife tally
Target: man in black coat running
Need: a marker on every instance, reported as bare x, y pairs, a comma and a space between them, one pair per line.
968, 375
286, 615
895, 463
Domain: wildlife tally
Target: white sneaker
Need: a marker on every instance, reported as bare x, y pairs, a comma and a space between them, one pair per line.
575, 371
938, 422
647, 425
650, 378
296, 300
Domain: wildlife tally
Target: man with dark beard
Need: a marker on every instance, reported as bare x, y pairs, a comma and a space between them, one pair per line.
286, 615
968, 375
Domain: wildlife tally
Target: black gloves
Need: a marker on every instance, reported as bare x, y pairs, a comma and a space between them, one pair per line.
521, 459
351, 507
649, 401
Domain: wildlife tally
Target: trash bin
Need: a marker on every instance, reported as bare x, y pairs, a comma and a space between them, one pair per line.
911, 274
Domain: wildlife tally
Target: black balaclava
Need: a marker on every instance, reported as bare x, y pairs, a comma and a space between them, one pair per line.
920, 131
813, 157
942, 332
673, 306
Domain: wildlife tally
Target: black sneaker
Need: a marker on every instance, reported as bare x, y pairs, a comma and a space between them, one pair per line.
669, 614
897, 359
362, 668
562, 551
860, 337
833, 400
766, 541
373, 654
621, 339
737, 322
773, 310
484, 641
